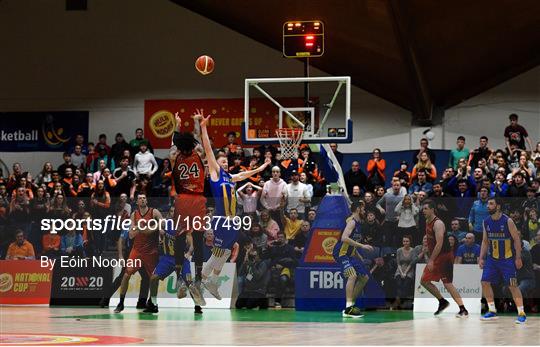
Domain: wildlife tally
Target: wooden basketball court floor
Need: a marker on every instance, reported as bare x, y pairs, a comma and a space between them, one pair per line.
30, 325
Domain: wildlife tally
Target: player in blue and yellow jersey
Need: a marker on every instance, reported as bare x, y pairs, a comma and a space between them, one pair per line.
347, 255
167, 265
222, 184
502, 245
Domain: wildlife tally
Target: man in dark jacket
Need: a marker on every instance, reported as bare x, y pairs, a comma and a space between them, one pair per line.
282, 262
253, 279
355, 177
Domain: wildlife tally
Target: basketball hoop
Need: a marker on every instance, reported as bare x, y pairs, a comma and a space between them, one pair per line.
289, 141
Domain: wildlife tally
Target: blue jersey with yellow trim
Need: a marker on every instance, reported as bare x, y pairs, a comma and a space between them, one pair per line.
344, 249
224, 194
166, 242
501, 245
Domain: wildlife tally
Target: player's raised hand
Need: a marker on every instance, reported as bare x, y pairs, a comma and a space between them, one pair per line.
198, 115
178, 121
267, 161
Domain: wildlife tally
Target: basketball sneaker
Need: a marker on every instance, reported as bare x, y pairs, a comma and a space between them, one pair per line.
211, 285
352, 312
119, 308
196, 293
489, 316
443, 305
141, 303
463, 313
521, 319
198, 309
151, 308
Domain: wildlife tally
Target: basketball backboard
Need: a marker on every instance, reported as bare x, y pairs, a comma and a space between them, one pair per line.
324, 116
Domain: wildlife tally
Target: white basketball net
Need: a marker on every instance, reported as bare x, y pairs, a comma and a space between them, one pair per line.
289, 141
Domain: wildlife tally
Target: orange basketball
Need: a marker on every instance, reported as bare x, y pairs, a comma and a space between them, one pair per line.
204, 64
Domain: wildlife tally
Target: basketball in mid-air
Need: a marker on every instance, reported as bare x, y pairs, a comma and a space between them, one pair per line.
204, 64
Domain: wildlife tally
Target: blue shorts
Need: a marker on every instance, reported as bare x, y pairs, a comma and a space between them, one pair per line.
497, 269
166, 266
225, 233
351, 266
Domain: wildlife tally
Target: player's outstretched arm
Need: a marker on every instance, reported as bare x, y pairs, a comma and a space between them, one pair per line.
212, 162
247, 174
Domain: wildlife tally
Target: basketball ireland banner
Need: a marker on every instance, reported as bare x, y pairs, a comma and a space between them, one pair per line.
227, 116
41, 131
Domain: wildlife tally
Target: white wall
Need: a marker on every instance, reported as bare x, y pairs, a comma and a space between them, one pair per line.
111, 58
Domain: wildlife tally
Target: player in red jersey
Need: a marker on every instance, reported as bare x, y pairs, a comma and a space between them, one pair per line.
144, 252
188, 175
440, 266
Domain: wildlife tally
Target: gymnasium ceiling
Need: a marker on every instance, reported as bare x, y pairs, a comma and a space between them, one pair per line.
419, 54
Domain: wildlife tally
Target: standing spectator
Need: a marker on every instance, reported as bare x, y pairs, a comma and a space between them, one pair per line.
100, 204
79, 140
406, 259
102, 156
87, 187
338, 154
309, 188
468, 252
291, 224
297, 195
144, 162
515, 133
249, 197
270, 226
375, 169
536, 169
387, 205
482, 152
117, 150
355, 177
424, 148
71, 244
479, 212
20, 249
458, 153
407, 212
78, 159
39, 207
19, 211
532, 225
273, 194
424, 164
371, 230
102, 142
67, 164
45, 176
124, 176
91, 156
14, 178
135, 144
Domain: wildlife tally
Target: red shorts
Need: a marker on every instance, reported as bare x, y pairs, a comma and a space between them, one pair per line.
189, 206
443, 269
148, 260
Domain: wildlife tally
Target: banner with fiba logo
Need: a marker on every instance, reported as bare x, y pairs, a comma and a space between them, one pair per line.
227, 116
41, 131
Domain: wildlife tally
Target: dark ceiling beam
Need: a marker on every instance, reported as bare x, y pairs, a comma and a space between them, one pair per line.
422, 101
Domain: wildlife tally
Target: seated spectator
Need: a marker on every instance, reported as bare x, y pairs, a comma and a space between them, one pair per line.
422, 251
51, 245
283, 260
383, 271
78, 159
499, 185
258, 237
124, 176
269, 226
468, 252
531, 227
375, 169
45, 176
372, 231
253, 276
458, 153
71, 244
454, 243
406, 259
291, 224
403, 175
420, 184
457, 231
67, 164
299, 242
20, 249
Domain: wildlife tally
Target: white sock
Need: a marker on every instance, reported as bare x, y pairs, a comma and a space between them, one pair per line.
350, 303
492, 308
520, 310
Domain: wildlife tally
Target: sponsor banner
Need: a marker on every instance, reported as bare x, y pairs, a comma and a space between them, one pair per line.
321, 246
467, 282
227, 116
24, 282
41, 131
79, 282
167, 290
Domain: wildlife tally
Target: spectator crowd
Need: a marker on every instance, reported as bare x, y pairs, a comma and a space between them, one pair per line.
96, 180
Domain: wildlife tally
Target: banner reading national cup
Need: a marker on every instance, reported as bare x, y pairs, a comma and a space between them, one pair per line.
227, 116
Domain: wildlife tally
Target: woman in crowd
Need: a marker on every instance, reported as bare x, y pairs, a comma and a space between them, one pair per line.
425, 164
45, 176
407, 212
406, 259
375, 169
